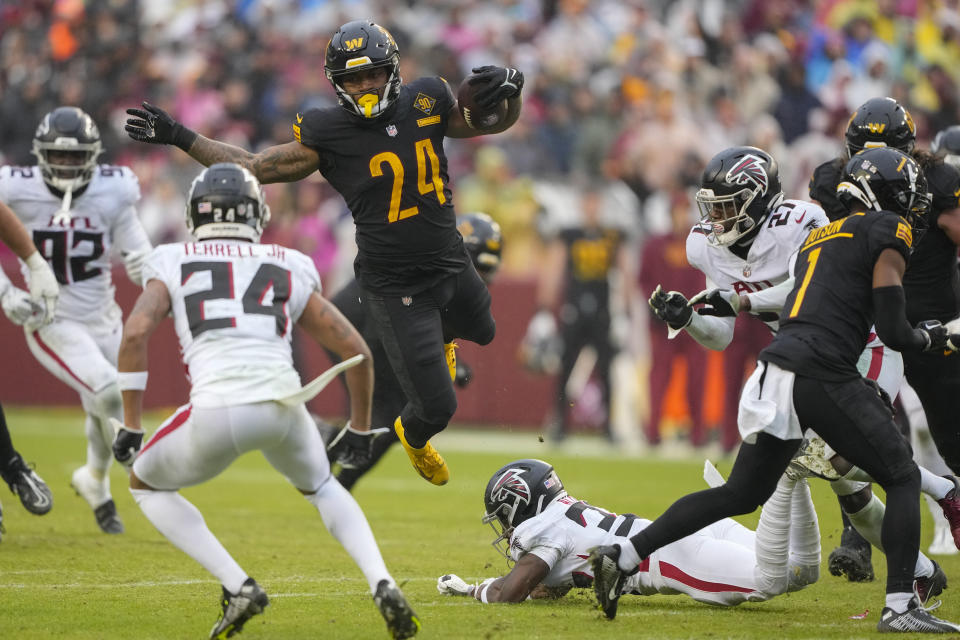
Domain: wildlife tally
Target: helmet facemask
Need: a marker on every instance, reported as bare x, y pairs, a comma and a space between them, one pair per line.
727, 215
65, 164
373, 102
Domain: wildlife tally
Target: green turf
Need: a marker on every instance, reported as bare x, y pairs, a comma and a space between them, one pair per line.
61, 578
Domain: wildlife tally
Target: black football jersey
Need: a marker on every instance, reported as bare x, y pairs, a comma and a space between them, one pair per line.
591, 253
823, 188
826, 319
392, 172
931, 282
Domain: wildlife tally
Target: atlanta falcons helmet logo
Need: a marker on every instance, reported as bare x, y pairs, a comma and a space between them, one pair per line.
749, 171
510, 483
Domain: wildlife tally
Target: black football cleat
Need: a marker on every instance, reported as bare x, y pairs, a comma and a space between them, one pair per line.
916, 619
401, 620
237, 608
33, 492
930, 586
853, 558
608, 579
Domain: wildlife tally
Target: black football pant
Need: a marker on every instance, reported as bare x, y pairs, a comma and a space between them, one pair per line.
853, 420
7, 451
592, 330
936, 379
413, 330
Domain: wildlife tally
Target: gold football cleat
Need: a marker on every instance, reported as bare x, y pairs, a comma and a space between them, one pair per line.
427, 461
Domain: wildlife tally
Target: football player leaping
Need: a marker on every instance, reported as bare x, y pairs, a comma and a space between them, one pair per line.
743, 247
35, 307
549, 535
382, 150
234, 302
77, 211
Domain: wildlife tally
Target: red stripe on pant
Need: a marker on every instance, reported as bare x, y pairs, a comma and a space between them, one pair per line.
668, 570
876, 363
172, 425
50, 352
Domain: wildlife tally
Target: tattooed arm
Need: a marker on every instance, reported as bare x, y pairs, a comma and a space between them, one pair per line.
280, 163
325, 324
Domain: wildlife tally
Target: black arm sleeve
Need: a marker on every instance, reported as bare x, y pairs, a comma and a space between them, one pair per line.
890, 319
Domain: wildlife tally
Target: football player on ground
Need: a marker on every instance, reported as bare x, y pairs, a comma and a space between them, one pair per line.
743, 246
382, 150
931, 285
77, 211
484, 242
549, 535
35, 307
234, 302
848, 276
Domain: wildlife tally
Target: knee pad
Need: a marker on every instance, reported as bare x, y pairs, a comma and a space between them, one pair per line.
107, 402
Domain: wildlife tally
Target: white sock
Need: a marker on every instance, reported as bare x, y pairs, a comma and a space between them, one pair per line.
345, 521
772, 546
899, 601
629, 558
99, 453
182, 524
869, 522
804, 527
933, 485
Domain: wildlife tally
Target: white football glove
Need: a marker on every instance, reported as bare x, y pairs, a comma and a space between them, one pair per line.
19, 306
133, 262
44, 289
453, 585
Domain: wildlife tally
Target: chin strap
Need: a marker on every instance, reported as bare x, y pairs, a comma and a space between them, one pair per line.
62, 216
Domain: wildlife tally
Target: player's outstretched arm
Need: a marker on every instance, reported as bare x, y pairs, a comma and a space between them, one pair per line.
529, 572
280, 163
324, 323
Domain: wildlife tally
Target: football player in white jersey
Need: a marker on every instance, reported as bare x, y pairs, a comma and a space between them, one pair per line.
549, 535
78, 211
743, 245
234, 303
37, 307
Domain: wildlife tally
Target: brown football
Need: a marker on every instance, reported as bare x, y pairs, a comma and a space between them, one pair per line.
475, 116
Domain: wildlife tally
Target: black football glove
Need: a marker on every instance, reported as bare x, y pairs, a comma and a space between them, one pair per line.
936, 335
352, 449
724, 303
464, 374
153, 124
126, 444
888, 403
671, 307
499, 83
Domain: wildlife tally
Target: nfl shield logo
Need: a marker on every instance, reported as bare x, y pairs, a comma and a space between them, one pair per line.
392, 130
747, 271
406, 300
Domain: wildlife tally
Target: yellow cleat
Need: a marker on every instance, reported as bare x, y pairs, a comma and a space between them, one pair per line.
427, 461
450, 351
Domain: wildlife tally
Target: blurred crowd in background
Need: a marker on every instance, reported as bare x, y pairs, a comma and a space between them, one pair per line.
631, 95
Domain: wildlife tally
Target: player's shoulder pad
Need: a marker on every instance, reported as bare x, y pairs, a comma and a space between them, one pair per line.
943, 180
301, 267
890, 230
121, 181
310, 126
161, 260
16, 181
431, 95
697, 243
826, 175
805, 215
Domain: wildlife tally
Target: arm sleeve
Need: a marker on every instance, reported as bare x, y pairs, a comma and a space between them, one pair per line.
710, 331
771, 298
890, 319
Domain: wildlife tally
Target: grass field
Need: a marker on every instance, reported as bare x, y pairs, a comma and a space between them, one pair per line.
61, 578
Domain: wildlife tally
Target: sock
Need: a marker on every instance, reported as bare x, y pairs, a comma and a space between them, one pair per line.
99, 453
933, 485
7, 451
182, 524
772, 546
345, 521
804, 527
898, 601
629, 556
869, 523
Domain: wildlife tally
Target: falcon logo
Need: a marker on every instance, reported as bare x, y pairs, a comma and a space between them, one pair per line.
511, 483
749, 171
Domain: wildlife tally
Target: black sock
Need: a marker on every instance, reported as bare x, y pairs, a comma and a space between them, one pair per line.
7, 452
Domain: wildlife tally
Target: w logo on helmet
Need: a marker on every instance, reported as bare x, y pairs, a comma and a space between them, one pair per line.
510, 483
749, 171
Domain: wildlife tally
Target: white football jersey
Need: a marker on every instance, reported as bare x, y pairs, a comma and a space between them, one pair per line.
102, 217
767, 263
234, 304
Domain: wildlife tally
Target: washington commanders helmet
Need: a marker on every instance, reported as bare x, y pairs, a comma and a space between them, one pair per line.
880, 122
517, 492
946, 145
357, 46
226, 201
738, 188
67, 144
885, 179
483, 240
